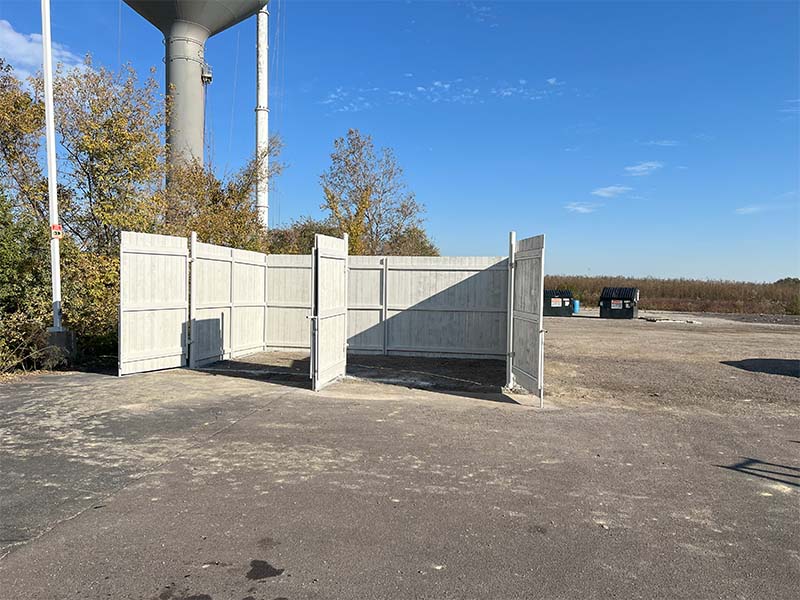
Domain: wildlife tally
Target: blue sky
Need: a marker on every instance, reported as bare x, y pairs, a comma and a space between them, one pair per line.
644, 138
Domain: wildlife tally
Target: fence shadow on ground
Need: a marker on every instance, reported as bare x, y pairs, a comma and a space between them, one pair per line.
469, 378
784, 474
773, 366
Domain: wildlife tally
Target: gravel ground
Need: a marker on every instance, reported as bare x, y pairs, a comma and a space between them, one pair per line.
711, 364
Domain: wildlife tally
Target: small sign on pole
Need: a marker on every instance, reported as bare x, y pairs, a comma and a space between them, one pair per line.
56, 231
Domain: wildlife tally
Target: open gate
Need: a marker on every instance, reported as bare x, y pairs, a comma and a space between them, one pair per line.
525, 363
328, 310
153, 302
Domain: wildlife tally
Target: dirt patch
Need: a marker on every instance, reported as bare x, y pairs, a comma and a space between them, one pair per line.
717, 364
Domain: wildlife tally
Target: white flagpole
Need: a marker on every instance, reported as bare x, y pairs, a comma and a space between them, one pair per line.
52, 174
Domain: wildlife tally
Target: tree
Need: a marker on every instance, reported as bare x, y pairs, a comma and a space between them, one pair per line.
109, 127
221, 210
111, 176
412, 241
21, 127
367, 197
298, 238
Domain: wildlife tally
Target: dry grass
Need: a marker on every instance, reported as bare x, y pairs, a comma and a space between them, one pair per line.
691, 295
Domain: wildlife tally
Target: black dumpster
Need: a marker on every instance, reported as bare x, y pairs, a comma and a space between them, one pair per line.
557, 303
619, 303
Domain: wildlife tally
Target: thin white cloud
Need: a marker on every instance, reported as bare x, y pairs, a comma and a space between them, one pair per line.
341, 100
644, 168
24, 51
663, 143
784, 201
437, 91
582, 207
611, 190
751, 210
554, 81
481, 13
791, 106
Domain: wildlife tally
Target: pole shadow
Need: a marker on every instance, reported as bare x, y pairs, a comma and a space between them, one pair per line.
772, 366
784, 474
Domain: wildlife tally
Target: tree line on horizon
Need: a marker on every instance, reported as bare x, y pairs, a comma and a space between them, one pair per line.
689, 295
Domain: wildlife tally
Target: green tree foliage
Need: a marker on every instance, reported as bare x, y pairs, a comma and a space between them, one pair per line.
298, 238
21, 125
412, 241
25, 308
221, 211
367, 198
109, 127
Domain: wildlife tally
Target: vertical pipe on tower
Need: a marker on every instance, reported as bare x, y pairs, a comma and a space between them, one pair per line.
262, 116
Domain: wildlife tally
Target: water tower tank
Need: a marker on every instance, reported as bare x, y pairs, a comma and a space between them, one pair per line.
186, 25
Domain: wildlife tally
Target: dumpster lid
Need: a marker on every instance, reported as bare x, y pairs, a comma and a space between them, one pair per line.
620, 293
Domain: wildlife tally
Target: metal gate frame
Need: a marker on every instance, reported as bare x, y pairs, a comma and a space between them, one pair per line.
525, 361
328, 360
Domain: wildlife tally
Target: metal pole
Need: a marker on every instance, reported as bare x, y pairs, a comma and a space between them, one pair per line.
262, 116
52, 174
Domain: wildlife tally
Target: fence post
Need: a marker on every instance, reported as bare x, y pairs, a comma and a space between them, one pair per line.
385, 305
346, 292
266, 311
512, 244
232, 305
192, 300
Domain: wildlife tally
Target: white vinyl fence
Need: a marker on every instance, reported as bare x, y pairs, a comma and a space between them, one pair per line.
153, 302
228, 303
440, 306
288, 301
245, 302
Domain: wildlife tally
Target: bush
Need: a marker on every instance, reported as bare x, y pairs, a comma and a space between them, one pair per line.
90, 289
25, 306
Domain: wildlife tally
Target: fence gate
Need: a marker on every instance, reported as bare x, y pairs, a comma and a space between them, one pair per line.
153, 302
525, 363
328, 310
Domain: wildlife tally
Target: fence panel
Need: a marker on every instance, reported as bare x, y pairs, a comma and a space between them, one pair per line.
526, 335
428, 306
328, 311
289, 302
366, 304
154, 302
229, 303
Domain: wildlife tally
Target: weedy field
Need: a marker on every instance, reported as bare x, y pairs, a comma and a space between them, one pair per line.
690, 295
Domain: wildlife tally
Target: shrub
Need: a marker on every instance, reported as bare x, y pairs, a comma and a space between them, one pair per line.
25, 307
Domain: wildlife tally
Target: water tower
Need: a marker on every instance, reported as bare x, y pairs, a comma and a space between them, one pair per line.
186, 25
